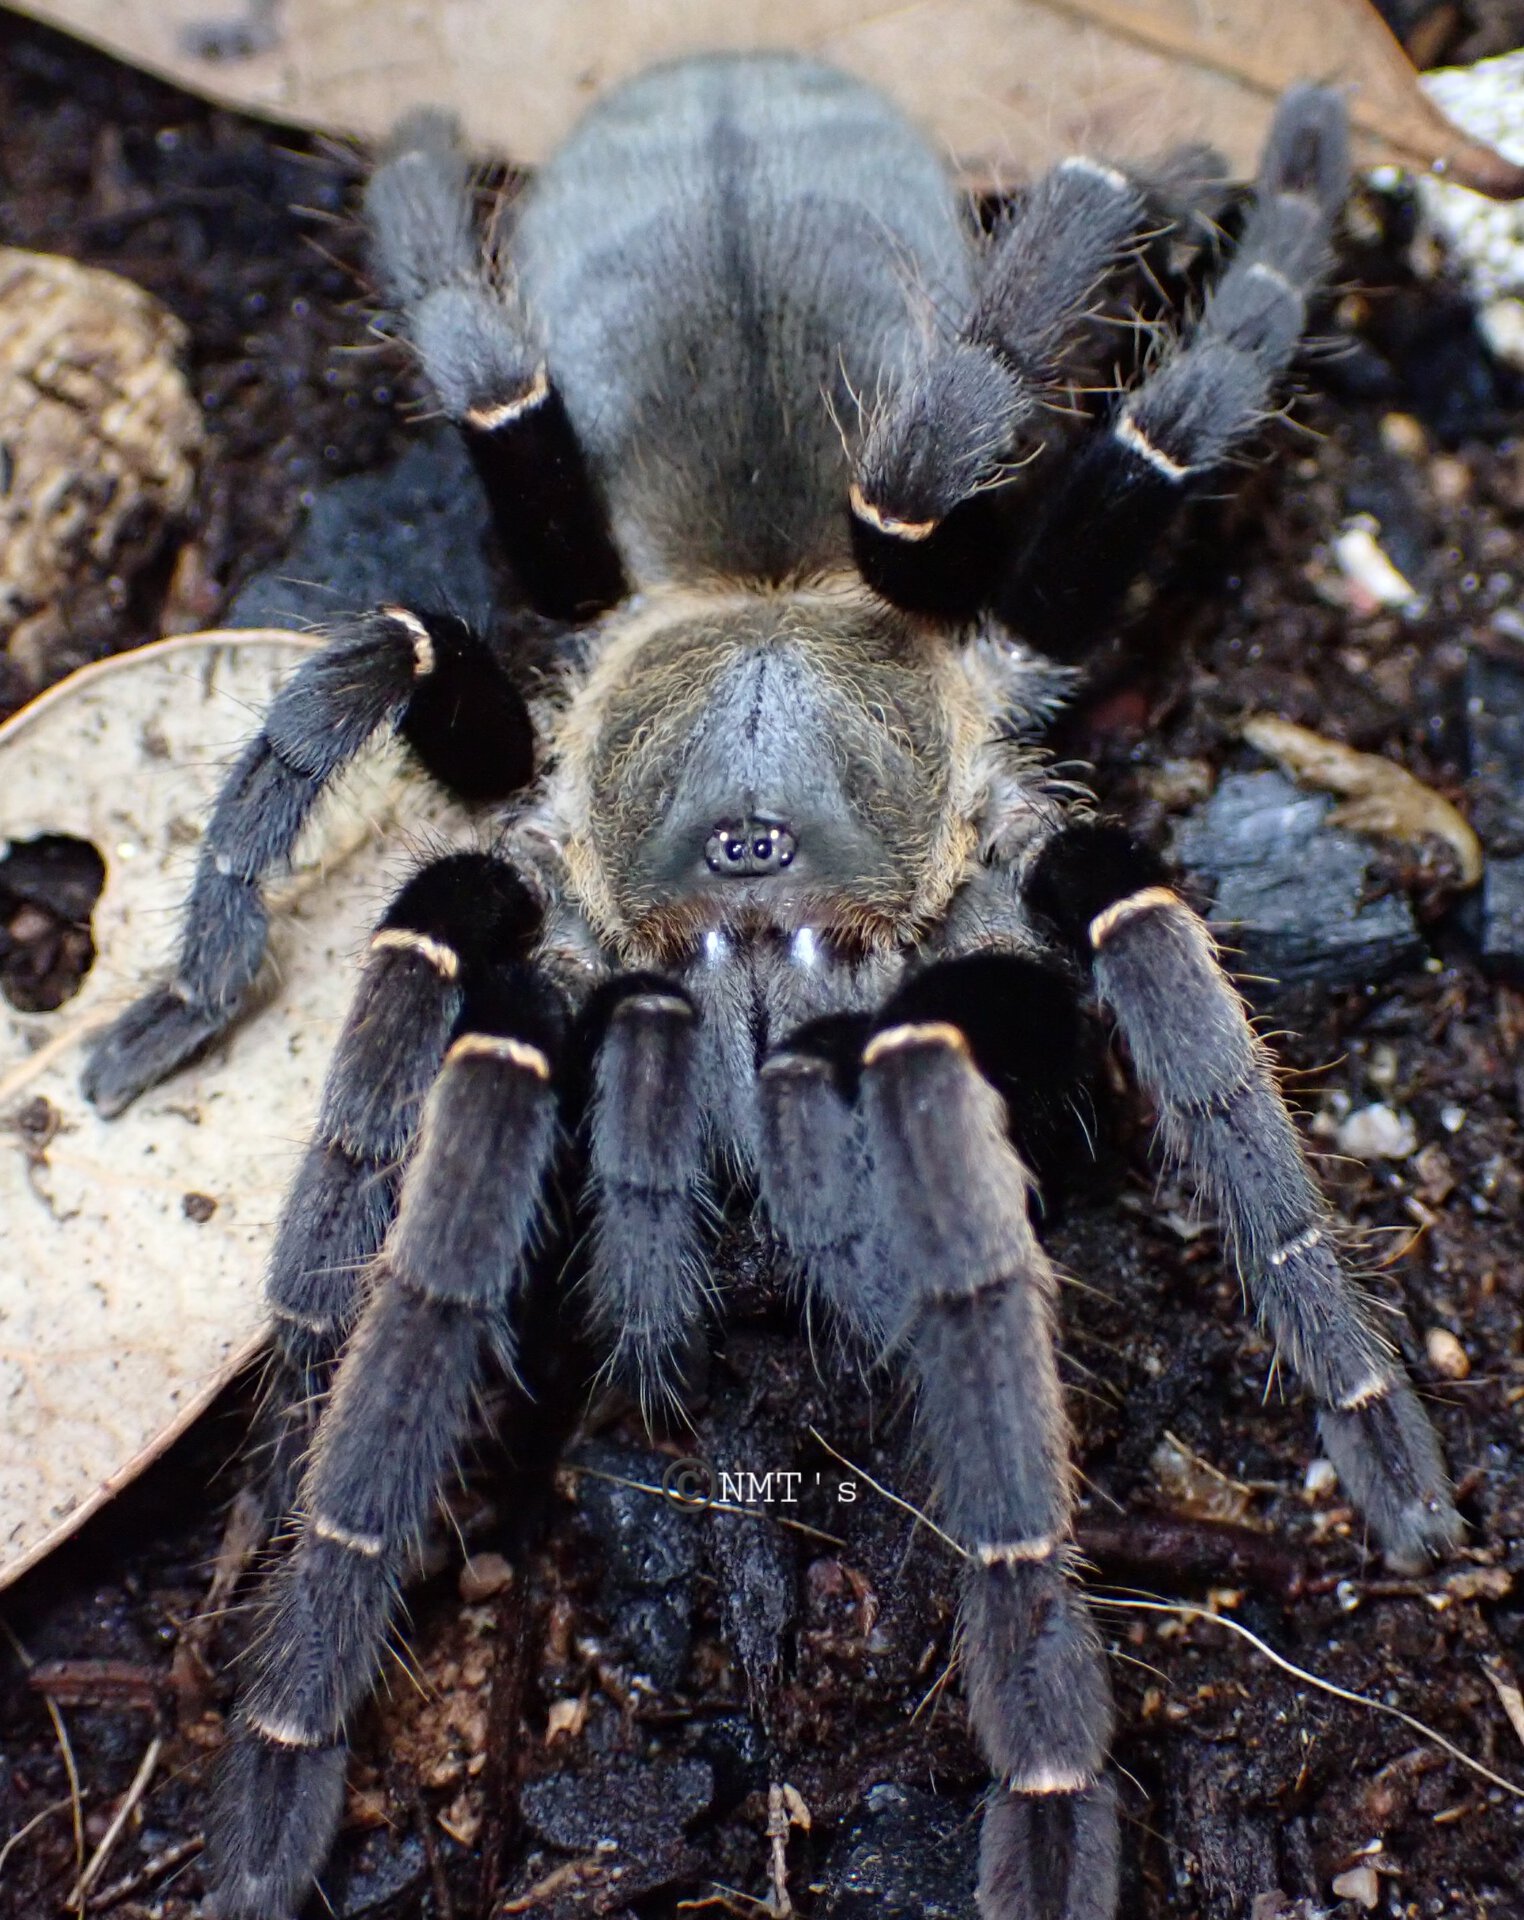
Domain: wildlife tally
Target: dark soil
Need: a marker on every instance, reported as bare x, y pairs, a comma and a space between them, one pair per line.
647, 1671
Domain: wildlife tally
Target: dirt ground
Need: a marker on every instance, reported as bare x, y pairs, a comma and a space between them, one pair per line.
610, 1666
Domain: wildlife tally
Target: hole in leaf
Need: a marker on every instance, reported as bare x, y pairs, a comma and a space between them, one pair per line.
48, 889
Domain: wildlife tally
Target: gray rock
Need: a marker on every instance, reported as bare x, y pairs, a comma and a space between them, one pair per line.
1292, 896
414, 532
649, 1551
910, 1854
633, 1807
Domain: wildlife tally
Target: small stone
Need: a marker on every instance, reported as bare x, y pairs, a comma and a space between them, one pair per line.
373, 538
1179, 783
1320, 1479
1402, 435
1372, 581
1377, 1132
462, 1819
483, 1576
198, 1207
1450, 478
1360, 1884
1292, 892
566, 1718
1446, 1354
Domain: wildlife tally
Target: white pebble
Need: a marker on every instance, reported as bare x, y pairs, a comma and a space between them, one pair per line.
1360, 1885
1320, 1478
1446, 1354
484, 1575
1502, 327
1379, 1132
1374, 581
1484, 237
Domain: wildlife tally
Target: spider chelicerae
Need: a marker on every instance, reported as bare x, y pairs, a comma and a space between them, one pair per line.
780, 896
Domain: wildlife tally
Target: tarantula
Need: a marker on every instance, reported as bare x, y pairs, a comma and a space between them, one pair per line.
779, 883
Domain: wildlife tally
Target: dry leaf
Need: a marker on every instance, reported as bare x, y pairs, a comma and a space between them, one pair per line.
1384, 798
126, 1299
1007, 85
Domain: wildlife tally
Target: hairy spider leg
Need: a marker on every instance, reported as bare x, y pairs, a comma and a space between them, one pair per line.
440, 1294
432, 678
912, 1204
450, 927
647, 1181
941, 442
1094, 529
1222, 1117
484, 358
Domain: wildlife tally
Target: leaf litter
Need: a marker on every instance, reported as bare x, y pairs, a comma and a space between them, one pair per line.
133, 1249
1138, 76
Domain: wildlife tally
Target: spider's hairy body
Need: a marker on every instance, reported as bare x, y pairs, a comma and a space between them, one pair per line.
780, 896
724, 257
814, 706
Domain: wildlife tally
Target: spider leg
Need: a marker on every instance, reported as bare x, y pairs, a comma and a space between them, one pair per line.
441, 1291
1097, 525
430, 677
444, 932
964, 1291
484, 359
946, 435
814, 1175
646, 1176
1223, 1117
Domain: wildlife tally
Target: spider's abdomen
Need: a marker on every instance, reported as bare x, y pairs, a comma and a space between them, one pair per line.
723, 255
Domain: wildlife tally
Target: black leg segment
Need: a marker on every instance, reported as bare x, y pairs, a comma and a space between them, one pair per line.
442, 1293
444, 941
892, 1178
1095, 528
372, 675
947, 437
646, 1184
483, 357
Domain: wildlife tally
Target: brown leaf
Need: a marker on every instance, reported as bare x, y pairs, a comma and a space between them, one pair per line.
1007, 85
1383, 799
123, 1309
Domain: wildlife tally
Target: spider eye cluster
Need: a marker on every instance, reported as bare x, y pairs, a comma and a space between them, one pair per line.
750, 847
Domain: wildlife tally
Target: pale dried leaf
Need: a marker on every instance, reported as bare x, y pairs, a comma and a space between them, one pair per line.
121, 1313
1508, 1694
1384, 798
1008, 85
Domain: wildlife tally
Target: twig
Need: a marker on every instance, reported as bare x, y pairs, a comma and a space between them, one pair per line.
100, 1683
444, 1906
61, 1733
76, 1798
1191, 1552
1183, 1607
893, 1498
144, 1876
36, 1821
778, 1824
119, 1819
